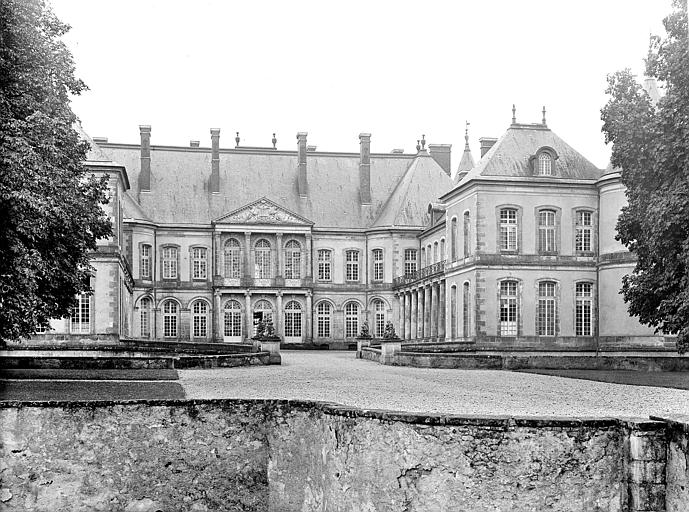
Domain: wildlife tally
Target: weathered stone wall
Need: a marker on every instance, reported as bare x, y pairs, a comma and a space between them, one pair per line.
677, 474
283, 456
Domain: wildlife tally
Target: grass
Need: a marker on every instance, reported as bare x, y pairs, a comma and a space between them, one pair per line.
677, 380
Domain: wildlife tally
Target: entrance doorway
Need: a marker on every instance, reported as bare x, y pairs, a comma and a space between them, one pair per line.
263, 312
293, 322
232, 322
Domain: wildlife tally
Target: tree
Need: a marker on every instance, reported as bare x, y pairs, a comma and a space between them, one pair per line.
50, 209
651, 147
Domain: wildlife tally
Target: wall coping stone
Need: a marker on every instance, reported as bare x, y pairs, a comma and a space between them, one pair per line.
679, 421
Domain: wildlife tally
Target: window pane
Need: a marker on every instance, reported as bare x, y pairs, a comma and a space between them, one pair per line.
232, 259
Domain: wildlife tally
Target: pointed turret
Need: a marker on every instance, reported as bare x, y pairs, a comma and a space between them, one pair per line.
467, 161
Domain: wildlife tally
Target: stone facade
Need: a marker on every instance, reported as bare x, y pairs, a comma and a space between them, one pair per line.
518, 252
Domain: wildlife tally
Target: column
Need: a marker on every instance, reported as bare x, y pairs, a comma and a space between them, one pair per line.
278, 320
249, 317
309, 318
402, 298
427, 311
217, 259
407, 315
248, 267
219, 317
441, 311
309, 267
434, 310
413, 315
278, 272
419, 332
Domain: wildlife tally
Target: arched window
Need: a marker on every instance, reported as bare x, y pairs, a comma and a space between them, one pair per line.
323, 313
233, 265
293, 319
453, 239
199, 319
199, 263
262, 259
324, 265
410, 261
351, 319
453, 311
584, 309
169, 262
509, 308
423, 257
378, 269
467, 235
145, 317
233, 319
442, 249
352, 265
379, 317
547, 309
292, 260
80, 319
145, 262
263, 310
170, 321
546, 231
466, 312
545, 164
508, 229
435, 252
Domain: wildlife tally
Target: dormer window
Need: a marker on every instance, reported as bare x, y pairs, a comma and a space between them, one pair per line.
545, 164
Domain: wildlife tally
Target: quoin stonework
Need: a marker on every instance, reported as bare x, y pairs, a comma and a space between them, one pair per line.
516, 249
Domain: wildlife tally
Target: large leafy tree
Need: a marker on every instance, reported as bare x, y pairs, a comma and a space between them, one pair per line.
651, 147
50, 208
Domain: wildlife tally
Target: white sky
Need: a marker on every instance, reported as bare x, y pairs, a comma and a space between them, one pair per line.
396, 69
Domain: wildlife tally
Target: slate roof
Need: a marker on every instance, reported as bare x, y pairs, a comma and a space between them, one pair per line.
180, 179
465, 164
405, 207
509, 156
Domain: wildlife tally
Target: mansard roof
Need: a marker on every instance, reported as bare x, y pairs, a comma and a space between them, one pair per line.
512, 154
180, 185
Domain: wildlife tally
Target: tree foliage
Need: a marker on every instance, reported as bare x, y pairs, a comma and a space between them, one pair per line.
50, 213
651, 147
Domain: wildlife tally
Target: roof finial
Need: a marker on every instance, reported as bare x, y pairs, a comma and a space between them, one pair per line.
514, 114
466, 135
418, 145
236, 139
275, 141
543, 115
423, 142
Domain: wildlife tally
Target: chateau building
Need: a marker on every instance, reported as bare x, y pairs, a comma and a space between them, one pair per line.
517, 251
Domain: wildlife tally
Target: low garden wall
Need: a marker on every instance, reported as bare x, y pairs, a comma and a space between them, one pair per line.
302, 456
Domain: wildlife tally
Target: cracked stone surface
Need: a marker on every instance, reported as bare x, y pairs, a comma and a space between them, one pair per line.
339, 377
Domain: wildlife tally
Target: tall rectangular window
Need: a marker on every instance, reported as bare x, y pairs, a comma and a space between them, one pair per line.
170, 319
292, 260
584, 309
453, 238
508, 308
466, 312
467, 234
199, 263
199, 319
453, 311
169, 263
410, 256
546, 231
352, 265
145, 262
378, 264
323, 320
324, 265
547, 310
145, 310
263, 263
508, 229
351, 319
233, 265
584, 230
80, 319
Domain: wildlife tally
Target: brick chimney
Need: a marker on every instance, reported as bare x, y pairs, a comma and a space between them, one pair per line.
365, 168
145, 174
215, 160
486, 144
301, 164
441, 153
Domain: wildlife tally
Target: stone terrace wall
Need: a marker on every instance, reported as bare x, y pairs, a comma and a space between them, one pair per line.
284, 456
677, 486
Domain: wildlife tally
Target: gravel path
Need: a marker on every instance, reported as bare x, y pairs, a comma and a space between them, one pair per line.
339, 377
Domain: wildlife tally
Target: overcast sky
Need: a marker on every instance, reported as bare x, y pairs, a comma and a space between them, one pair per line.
396, 69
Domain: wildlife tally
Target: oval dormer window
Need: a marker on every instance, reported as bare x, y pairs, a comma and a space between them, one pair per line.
545, 164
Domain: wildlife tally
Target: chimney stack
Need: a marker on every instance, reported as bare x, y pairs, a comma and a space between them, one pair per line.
365, 168
145, 174
301, 163
194, 143
486, 144
215, 159
441, 153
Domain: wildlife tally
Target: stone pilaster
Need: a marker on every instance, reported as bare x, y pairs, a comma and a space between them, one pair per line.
434, 310
441, 310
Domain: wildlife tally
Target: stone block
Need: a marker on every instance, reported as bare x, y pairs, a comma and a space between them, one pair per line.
643, 471
646, 497
646, 447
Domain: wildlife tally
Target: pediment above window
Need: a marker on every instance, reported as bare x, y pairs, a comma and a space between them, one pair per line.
263, 211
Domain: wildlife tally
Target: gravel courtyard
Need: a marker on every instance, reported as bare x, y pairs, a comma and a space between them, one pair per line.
339, 377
